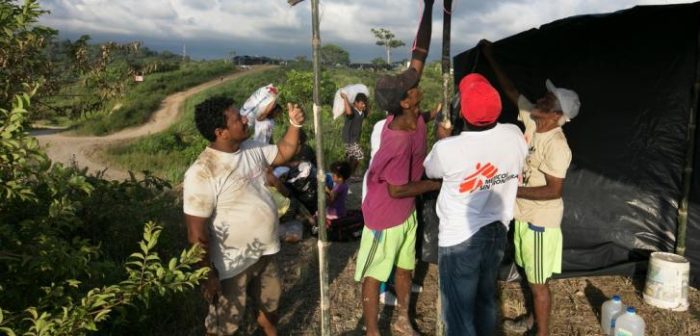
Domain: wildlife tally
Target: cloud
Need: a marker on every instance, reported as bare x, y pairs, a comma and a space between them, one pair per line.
271, 26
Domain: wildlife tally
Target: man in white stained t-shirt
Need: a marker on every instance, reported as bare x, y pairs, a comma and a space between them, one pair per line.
539, 208
480, 171
231, 214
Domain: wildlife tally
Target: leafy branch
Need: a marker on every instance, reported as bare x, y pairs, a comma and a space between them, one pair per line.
146, 276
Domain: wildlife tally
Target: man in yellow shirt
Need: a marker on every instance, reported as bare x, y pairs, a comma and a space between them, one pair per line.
539, 207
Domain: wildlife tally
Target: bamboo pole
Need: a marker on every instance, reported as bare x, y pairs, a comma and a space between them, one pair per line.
446, 64
321, 175
446, 93
689, 158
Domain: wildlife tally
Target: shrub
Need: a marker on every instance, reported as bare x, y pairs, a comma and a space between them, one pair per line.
64, 233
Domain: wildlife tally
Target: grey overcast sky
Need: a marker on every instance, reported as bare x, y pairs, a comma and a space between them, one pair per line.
213, 28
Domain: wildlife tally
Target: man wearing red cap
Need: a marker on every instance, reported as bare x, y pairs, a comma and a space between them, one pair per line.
539, 207
480, 169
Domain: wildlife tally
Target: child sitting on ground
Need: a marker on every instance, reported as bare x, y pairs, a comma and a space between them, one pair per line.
340, 171
341, 224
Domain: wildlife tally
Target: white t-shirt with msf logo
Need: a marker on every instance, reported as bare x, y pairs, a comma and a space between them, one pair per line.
480, 172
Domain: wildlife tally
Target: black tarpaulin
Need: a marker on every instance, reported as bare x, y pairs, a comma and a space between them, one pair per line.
634, 71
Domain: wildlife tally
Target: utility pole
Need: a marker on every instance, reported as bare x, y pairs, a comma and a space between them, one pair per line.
446, 117
184, 52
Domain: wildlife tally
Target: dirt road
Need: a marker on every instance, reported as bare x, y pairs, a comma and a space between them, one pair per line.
68, 148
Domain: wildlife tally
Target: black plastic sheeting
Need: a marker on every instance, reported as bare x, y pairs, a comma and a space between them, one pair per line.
634, 71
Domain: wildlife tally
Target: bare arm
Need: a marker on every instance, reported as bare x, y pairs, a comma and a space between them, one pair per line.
412, 189
346, 104
287, 146
330, 195
274, 181
444, 130
198, 233
418, 65
506, 84
552, 190
421, 45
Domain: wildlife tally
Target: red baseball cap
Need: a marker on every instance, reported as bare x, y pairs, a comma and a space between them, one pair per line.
480, 102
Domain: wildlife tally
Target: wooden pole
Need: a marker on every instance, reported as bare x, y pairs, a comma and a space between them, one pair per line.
446, 64
446, 99
689, 158
321, 175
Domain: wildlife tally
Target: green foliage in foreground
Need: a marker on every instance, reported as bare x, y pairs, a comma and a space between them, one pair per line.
142, 99
64, 236
170, 153
22, 43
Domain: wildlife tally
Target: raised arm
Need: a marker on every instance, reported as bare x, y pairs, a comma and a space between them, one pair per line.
287, 146
506, 84
421, 45
346, 104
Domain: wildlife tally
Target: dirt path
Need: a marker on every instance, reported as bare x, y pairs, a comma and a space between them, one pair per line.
67, 148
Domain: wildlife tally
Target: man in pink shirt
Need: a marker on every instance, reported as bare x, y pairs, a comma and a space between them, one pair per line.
393, 181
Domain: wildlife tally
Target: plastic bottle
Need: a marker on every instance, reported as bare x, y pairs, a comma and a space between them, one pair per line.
629, 324
609, 310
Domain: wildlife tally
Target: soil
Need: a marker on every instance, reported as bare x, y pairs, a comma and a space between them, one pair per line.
575, 308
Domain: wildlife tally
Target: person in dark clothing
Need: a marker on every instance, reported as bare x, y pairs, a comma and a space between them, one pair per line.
355, 114
304, 151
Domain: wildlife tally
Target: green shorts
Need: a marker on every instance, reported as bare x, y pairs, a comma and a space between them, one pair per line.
380, 250
537, 250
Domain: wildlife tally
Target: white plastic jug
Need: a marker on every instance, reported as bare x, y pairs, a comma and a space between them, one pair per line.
629, 324
609, 311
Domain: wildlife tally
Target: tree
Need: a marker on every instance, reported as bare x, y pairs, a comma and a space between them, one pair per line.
379, 61
298, 88
22, 44
332, 55
62, 231
387, 39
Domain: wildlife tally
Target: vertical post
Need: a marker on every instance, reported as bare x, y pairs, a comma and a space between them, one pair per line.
446, 64
689, 158
321, 176
446, 93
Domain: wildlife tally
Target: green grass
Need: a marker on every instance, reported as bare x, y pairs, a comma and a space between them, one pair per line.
169, 154
145, 98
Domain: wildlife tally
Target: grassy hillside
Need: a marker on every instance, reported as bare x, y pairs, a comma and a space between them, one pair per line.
142, 99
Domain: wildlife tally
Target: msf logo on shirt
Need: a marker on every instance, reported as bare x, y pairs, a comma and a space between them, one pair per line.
485, 176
